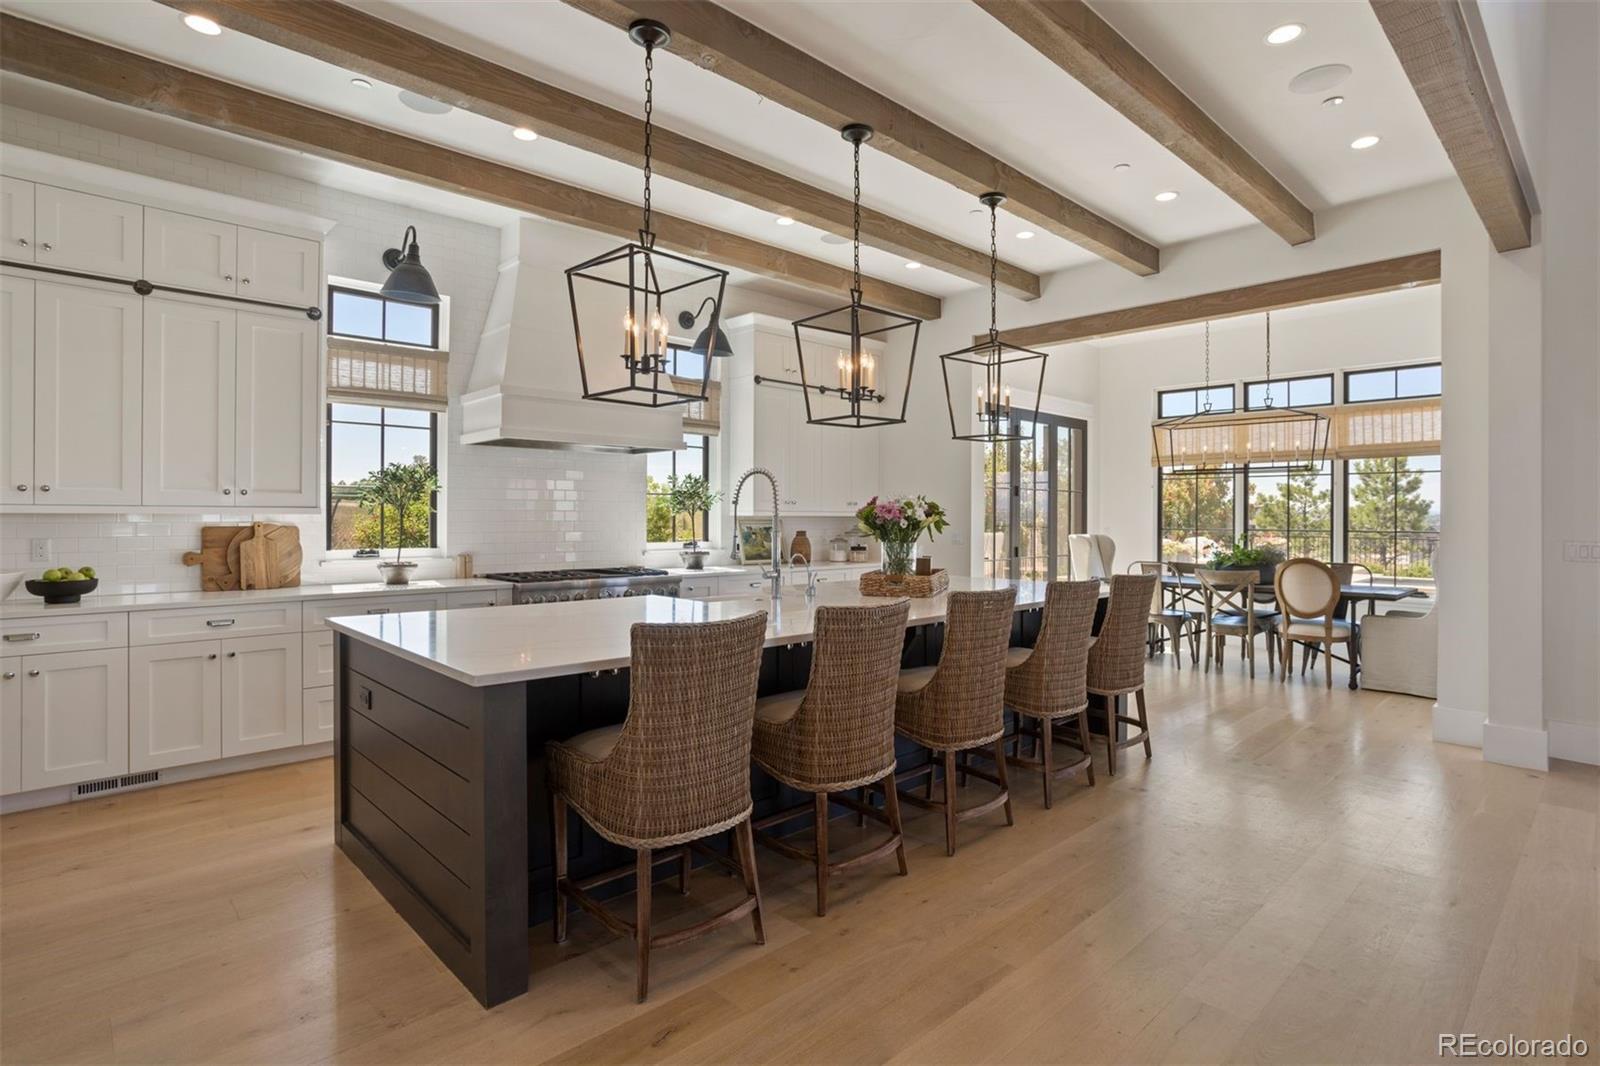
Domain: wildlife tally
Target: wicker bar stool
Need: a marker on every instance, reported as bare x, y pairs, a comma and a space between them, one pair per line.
1049, 682
838, 733
1116, 659
676, 771
959, 705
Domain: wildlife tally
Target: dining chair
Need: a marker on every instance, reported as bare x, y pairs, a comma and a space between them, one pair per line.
1308, 595
1231, 610
1171, 617
1090, 555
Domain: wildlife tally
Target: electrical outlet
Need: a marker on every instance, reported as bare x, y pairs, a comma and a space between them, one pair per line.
39, 549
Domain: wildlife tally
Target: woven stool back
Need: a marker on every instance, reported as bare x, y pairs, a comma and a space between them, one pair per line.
681, 767
964, 704
1054, 680
1116, 660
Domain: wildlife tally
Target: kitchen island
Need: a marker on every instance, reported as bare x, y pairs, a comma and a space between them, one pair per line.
441, 723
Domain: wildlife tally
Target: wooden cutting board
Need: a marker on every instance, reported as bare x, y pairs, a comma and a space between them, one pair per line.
270, 557
217, 574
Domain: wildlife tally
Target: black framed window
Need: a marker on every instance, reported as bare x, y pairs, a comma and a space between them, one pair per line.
1174, 403
661, 525
1036, 492
1291, 511
363, 438
1392, 516
1196, 513
1313, 390
368, 316
1394, 383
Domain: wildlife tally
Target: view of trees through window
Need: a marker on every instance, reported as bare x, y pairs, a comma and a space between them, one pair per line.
661, 526
1035, 494
1196, 513
1393, 515
1292, 511
363, 439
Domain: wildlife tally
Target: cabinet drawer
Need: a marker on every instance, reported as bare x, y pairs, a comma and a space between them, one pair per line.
478, 598
316, 656
697, 588
317, 614
165, 627
316, 713
79, 633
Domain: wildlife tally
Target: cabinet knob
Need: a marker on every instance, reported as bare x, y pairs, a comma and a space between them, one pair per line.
227, 492
233, 654
46, 247
244, 281
44, 488
22, 488
33, 673
213, 655
244, 492
8, 675
22, 241
227, 277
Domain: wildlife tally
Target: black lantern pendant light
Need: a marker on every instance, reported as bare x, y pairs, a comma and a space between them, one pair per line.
409, 281
622, 301
997, 420
850, 342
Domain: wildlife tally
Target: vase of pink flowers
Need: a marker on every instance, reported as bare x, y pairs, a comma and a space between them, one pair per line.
898, 525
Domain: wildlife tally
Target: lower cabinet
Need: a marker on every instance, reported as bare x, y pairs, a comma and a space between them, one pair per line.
316, 712
261, 697
174, 704
10, 726
74, 717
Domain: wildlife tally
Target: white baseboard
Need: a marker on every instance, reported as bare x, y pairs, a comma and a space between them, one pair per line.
1574, 741
1513, 745
49, 797
1451, 725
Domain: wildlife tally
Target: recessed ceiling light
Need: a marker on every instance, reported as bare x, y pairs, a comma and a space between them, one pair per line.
426, 105
201, 24
1362, 143
1285, 33
913, 265
523, 133
1025, 235
784, 220
1321, 79
1166, 197
361, 83
1333, 101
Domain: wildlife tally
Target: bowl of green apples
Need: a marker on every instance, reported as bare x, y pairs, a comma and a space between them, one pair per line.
64, 584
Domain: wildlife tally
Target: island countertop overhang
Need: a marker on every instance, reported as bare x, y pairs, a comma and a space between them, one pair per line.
503, 645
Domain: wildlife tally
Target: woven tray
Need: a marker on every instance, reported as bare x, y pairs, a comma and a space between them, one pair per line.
917, 586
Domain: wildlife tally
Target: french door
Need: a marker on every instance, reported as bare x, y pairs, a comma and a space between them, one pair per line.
1036, 493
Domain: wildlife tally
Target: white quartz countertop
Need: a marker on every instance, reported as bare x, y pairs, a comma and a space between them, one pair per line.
496, 646
26, 605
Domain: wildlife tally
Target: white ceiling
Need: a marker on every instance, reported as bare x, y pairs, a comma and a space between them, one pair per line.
947, 60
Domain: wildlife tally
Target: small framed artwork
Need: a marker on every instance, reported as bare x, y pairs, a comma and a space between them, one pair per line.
755, 542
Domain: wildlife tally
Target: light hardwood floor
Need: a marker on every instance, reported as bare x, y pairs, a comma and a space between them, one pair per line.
1298, 876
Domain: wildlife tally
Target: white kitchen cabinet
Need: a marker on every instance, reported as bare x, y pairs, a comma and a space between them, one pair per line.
80, 231
261, 694
478, 598
316, 712
279, 268
16, 388
11, 674
87, 365
74, 717
277, 389
316, 658
16, 220
189, 403
174, 704
188, 252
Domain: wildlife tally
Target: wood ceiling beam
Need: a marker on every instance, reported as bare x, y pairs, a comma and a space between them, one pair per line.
710, 36
1404, 272
1080, 42
51, 55
364, 44
1430, 38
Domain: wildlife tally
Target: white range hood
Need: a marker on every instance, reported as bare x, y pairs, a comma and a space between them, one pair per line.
524, 391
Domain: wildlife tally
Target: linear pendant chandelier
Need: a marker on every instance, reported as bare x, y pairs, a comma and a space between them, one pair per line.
624, 300
1269, 439
997, 420
851, 343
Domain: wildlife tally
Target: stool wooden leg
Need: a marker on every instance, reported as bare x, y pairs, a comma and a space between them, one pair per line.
1000, 770
683, 872
822, 853
744, 836
1144, 723
949, 803
1083, 738
891, 809
1111, 736
1049, 759
641, 927
863, 795
932, 773
558, 810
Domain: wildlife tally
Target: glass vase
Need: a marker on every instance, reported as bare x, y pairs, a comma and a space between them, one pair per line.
899, 557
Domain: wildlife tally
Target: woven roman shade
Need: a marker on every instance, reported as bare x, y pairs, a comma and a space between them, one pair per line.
376, 373
1379, 430
701, 416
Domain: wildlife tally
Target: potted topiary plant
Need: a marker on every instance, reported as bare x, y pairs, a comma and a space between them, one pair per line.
1242, 556
691, 495
401, 487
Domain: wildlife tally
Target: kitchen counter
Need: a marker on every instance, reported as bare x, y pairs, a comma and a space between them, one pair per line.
540, 640
25, 605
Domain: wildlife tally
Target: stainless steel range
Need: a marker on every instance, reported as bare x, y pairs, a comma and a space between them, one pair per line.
598, 583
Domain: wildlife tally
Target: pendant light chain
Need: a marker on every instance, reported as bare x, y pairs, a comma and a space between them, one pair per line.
649, 111
855, 289
994, 277
1208, 368
1268, 398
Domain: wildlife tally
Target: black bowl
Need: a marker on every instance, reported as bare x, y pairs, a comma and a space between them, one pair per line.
62, 591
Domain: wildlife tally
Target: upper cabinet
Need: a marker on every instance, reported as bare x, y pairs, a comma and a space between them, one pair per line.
275, 403
278, 268
94, 234
16, 220
204, 255
16, 389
